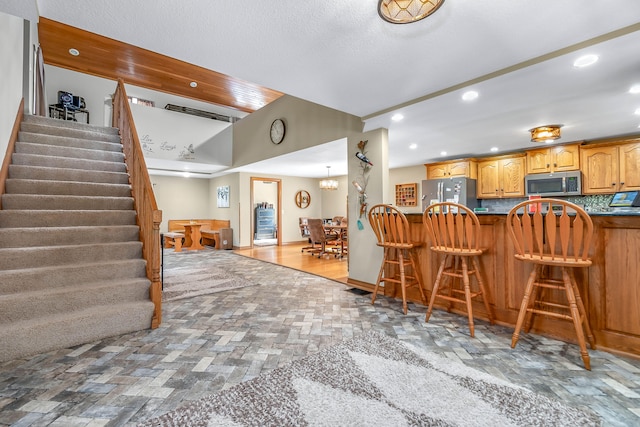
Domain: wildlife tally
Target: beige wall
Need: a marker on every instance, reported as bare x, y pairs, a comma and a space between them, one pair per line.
408, 175
307, 125
180, 198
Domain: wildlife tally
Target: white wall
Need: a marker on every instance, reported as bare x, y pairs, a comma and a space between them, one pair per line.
11, 70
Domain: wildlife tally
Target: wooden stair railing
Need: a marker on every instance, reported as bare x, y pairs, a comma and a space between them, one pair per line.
148, 215
11, 148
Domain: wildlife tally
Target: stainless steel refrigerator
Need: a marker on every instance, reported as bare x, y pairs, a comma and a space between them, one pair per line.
458, 190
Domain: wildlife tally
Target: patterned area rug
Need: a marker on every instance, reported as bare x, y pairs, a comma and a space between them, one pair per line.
191, 273
375, 380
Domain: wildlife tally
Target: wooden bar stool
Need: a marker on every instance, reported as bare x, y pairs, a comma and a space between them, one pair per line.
454, 231
552, 233
392, 231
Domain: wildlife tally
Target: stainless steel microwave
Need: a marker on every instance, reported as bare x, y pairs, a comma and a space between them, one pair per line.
554, 184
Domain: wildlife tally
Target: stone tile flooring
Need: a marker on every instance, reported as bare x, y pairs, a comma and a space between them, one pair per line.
212, 342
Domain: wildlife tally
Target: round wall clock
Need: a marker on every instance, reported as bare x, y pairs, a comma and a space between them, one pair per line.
303, 199
277, 131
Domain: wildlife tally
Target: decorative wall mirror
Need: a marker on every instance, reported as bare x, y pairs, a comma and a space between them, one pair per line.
303, 199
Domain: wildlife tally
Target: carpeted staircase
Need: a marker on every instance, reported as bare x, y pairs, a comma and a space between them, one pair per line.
71, 266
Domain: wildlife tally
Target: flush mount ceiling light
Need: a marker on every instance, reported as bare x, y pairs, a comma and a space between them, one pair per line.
469, 95
407, 11
193, 84
585, 61
546, 133
328, 184
74, 52
397, 117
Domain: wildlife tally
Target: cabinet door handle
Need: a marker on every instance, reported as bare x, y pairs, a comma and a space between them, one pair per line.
622, 183
613, 184
555, 165
548, 165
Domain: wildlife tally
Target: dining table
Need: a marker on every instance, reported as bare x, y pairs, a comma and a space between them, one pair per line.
192, 236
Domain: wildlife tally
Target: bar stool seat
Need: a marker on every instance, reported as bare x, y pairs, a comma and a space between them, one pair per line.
560, 237
392, 232
454, 231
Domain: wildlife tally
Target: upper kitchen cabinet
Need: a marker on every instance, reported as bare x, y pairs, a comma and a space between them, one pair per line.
453, 169
501, 177
610, 168
559, 158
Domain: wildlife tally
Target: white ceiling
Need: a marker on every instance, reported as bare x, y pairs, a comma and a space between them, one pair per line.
517, 54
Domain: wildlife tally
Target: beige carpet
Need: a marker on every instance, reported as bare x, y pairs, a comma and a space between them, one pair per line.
192, 273
375, 380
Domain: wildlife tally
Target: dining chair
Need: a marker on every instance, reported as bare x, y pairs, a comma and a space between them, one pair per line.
303, 222
318, 236
393, 235
454, 231
552, 233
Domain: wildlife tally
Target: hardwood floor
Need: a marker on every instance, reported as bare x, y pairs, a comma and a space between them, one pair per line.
291, 256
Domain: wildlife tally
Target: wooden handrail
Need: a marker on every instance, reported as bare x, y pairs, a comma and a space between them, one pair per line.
148, 215
11, 148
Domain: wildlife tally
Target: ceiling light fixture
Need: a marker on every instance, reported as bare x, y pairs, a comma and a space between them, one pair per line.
74, 52
397, 117
469, 95
328, 184
413, 146
585, 61
443, 153
494, 149
635, 89
193, 84
407, 11
546, 133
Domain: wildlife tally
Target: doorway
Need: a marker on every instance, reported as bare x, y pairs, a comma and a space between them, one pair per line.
266, 218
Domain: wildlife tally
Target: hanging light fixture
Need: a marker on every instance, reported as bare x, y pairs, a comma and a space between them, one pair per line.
546, 133
406, 11
328, 184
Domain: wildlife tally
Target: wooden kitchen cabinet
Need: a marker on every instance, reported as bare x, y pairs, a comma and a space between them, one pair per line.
460, 168
610, 168
501, 178
559, 158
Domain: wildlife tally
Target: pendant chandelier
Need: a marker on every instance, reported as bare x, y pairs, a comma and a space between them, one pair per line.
547, 133
406, 11
328, 184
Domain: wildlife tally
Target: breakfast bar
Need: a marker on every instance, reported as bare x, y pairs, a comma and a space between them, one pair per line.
610, 288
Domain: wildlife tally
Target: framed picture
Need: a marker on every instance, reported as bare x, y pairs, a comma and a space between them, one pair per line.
223, 196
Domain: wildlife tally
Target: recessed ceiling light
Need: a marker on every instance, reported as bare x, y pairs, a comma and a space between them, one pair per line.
74, 52
635, 89
193, 84
397, 117
413, 146
494, 149
637, 112
585, 61
470, 95
443, 153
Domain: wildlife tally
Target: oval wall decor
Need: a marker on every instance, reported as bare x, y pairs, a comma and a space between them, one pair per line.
303, 199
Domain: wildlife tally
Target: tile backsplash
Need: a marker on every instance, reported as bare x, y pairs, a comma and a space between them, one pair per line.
595, 202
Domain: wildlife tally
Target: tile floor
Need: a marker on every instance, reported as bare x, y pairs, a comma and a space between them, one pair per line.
212, 342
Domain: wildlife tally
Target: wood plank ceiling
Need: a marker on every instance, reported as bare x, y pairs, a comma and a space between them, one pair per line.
111, 59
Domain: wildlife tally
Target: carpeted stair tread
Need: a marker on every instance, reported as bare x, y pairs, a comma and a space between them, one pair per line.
64, 141
71, 188
67, 163
65, 218
70, 152
62, 202
47, 121
43, 256
63, 236
32, 279
70, 132
62, 174
21, 339
47, 302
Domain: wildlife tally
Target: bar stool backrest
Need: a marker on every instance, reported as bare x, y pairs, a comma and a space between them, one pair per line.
556, 230
390, 226
452, 226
